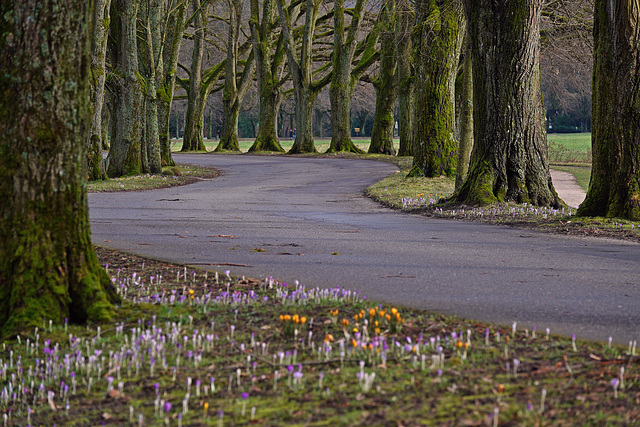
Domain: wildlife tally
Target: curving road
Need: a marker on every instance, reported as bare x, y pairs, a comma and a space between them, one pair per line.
287, 217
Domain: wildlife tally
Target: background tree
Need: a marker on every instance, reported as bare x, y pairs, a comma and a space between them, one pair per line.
405, 18
173, 27
236, 84
566, 63
48, 268
269, 55
614, 190
386, 85
300, 61
438, 36
99, 37
199, 86
509, 157
343, 80
151, 16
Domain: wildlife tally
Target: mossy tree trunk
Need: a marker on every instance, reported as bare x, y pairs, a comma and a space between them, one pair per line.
152, 16
48, 269
99, 38
342, 80
234, 88
438, 39
405, 16
268, 50
194, 122
386, 86
172, 36
614, 190
509, 156
466, 119
125, 151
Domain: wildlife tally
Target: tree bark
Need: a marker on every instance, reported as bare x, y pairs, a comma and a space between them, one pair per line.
234, 91
151, 143
614, 190
509, 156
466, 120
48, 269
101, 21
342, 80
386, 87
404, 17
193, 138
173, 32
125, 152
438, 39
269, 57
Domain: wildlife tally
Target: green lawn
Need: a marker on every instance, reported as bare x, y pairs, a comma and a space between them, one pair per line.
572, 141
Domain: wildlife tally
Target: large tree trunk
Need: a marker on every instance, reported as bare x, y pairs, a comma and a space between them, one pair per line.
439, 34
98, 77
386, 89
48, 269
404, 19
614, 190
509, 157
193, 136
125, 152
342, 82
466, 120
303, 143
267, 137
269, 57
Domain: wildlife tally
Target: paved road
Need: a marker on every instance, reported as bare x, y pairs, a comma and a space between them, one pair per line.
300, 211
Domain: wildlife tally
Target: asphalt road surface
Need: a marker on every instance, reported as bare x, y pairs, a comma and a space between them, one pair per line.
307, 219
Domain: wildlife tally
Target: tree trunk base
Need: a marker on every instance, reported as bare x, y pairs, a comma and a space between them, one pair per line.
345, 145
266, 143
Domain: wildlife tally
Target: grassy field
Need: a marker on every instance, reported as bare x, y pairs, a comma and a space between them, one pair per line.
572, 141
573, 148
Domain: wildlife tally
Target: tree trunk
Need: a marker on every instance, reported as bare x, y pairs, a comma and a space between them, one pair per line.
98, 76
509, 156
267, 138
303, 142
48, 269
173, 32
125, 153
404, 17
614, 190
342, 81
386, 90
466, 120
151, 141
304, 90
229, 134
439, 34
192, 139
